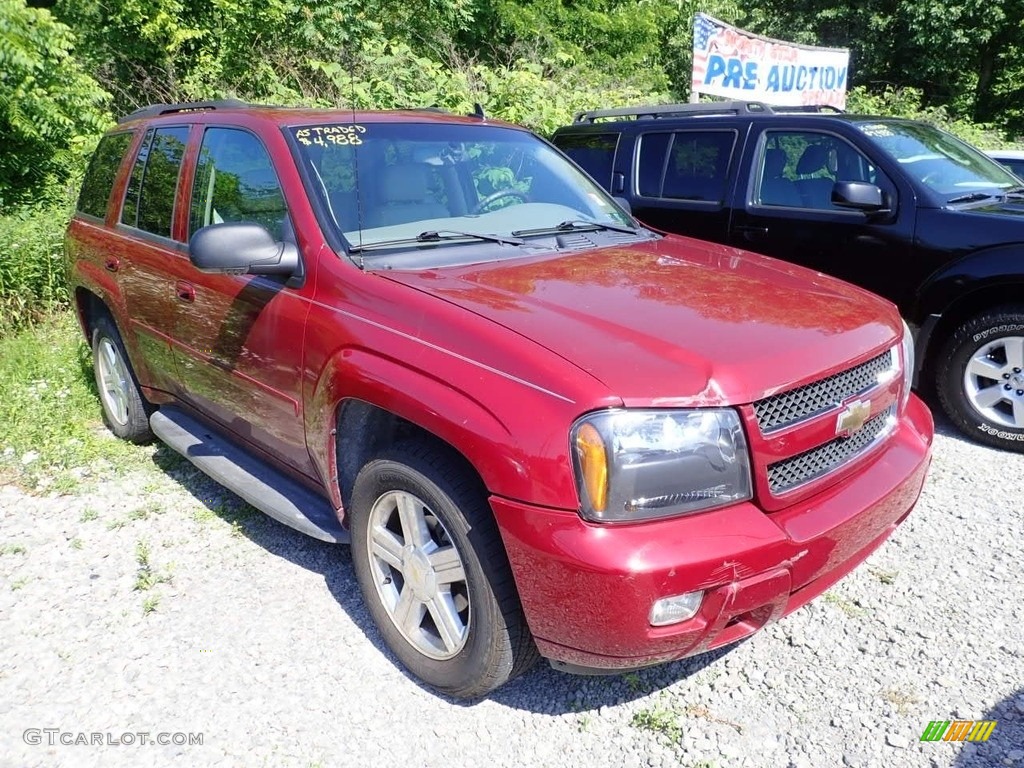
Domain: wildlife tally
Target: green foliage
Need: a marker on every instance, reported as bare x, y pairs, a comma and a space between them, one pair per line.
963, 55
534, 61
663, 722
50, 109
50, 430
906, 102
32, 275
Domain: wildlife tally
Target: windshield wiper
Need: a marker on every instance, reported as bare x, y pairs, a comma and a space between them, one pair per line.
1014, 192
970, 197
438, 236
578, 224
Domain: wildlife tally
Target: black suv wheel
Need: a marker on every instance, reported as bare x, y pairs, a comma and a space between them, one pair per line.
981, 378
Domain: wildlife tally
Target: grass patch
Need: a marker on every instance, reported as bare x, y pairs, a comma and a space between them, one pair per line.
12, 549
150, 604
848, 607
635, 684
660, 721
147, 509
145, 576
89, 514
50, 411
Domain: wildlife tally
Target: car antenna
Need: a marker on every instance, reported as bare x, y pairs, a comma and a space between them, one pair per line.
478, 112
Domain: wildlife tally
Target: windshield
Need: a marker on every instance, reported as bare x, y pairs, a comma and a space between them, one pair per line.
388, 186
940, 161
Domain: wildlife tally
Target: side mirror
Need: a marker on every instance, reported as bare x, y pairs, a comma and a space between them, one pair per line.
242, 248
859, 195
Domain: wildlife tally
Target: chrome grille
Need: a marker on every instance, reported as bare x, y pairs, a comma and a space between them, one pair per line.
779, 411
789, 473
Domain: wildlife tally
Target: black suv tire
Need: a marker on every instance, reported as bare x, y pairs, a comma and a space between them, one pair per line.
980, 378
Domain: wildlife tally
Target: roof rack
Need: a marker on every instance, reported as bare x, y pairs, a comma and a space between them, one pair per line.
154, 110
810, 108
702, 108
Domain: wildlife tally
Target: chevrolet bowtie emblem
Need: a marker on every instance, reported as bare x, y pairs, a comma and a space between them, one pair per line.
853, 416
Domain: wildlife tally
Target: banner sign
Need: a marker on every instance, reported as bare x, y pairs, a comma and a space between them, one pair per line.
739, 65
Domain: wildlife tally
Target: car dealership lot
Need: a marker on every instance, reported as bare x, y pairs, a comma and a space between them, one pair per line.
158, 603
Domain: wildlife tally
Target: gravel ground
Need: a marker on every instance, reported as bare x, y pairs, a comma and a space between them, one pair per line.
160, 603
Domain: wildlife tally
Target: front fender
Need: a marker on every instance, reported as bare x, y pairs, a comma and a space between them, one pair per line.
979, 280
1002, 265
515, 435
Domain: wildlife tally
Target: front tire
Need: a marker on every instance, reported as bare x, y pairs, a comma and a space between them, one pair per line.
433, 571
980, 378
124, 409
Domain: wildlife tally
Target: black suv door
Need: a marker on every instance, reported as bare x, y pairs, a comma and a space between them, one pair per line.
683, 179
785, 209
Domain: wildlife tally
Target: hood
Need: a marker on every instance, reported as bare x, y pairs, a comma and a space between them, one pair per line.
677, 321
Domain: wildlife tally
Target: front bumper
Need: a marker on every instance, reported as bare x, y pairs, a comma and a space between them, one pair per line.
587, 589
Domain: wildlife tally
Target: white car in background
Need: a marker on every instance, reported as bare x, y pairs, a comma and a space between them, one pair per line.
1011, 158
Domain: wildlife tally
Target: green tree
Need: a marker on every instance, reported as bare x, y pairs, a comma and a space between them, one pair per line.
964, 55
50, 109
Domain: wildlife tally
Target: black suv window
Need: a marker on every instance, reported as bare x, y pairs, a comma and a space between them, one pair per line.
685, 165
593, 152
235, 181
149, 202
799, 168
99, 178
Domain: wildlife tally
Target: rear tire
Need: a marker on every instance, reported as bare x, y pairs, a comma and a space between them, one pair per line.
433, 571
125, 411
980, 378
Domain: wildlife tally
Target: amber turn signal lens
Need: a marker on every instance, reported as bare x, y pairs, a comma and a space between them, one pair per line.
594, 466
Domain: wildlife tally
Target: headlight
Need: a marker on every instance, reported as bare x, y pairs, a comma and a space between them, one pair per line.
907, 361
638, 465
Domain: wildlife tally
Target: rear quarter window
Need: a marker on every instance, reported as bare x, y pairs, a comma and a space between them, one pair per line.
593, 152
99, 177
685, 165
149, 201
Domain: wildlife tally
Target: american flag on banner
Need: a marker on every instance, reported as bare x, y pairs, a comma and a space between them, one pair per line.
704, 31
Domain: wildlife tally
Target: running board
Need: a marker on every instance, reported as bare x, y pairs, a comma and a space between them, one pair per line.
260, 484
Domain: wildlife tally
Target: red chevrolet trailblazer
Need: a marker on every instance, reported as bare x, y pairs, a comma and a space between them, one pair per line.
543, 428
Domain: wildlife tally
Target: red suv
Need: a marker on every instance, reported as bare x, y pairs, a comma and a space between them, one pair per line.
543, 428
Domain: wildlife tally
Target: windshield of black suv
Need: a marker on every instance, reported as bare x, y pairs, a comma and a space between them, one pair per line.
394, 186
943, 163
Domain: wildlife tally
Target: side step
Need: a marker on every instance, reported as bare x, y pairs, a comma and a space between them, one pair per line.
254, 480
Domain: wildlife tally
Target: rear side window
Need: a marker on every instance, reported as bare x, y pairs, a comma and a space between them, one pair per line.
235, 182
593, 152
686, 165
149, 202
99, 178
651, 166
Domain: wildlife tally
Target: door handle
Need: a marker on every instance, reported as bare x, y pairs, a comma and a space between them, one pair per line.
185, 291
751, 230
111, 264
